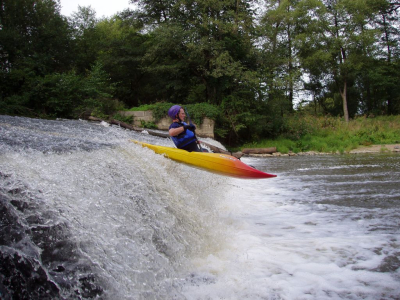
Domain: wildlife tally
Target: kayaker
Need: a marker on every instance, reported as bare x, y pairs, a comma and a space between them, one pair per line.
182, 134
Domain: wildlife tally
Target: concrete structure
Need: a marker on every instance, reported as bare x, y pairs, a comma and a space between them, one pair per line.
206, 129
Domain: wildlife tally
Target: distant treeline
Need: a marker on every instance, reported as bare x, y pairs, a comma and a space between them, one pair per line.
253, 61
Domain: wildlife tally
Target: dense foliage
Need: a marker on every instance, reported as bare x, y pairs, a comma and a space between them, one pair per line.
196, 112
331, 135
248, 64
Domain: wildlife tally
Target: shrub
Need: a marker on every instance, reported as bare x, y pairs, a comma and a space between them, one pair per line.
197, 111
125, 119
150, 125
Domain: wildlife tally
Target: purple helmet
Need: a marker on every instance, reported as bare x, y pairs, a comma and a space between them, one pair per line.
173, 111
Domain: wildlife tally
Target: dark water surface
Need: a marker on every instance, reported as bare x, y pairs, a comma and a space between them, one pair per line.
353, 180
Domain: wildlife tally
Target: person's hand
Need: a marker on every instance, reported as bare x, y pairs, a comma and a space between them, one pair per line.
191, 127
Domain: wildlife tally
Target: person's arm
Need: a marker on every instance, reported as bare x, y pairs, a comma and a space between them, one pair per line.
176, 131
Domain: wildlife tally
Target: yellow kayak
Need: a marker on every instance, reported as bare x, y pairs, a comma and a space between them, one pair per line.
213, 162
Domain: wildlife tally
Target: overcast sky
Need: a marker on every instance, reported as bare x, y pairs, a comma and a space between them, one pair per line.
105, 8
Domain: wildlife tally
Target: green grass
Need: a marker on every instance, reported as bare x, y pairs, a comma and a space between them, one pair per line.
330, 135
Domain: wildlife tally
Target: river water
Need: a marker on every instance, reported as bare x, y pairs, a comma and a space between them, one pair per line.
85, 213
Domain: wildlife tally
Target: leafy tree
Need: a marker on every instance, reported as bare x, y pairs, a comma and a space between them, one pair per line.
207, 51
281, 68
35, 41
202, 51
57, 94
386, 78
337, 43
86, 39
207, 43
69, 95
122, 48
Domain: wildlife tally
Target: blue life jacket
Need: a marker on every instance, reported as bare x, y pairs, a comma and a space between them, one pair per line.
183, 139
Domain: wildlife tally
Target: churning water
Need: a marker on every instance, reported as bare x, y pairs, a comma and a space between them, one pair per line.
85, 213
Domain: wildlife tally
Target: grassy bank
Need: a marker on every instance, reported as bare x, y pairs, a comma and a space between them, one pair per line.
332, 134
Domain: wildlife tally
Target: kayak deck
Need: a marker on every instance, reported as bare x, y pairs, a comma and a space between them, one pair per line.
215, 162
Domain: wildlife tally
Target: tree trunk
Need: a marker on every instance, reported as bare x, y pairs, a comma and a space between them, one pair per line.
269, 150
343, 93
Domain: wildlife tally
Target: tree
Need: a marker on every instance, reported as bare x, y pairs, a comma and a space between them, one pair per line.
86, 39
69, 95
122, 48
311, 46
340, 46
387, 77
35, 41
209, 39
281, 68
202, 51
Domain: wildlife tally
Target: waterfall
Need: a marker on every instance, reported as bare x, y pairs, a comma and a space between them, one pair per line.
86, 213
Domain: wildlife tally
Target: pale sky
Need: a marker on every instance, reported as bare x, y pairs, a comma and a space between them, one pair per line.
106, 8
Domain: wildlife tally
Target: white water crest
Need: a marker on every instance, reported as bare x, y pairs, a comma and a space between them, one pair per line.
107, 218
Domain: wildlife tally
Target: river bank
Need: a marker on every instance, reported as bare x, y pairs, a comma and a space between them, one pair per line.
392, 148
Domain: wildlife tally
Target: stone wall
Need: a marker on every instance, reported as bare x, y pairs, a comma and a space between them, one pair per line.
206, 129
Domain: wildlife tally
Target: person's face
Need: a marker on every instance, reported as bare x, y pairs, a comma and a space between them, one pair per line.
182, 114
